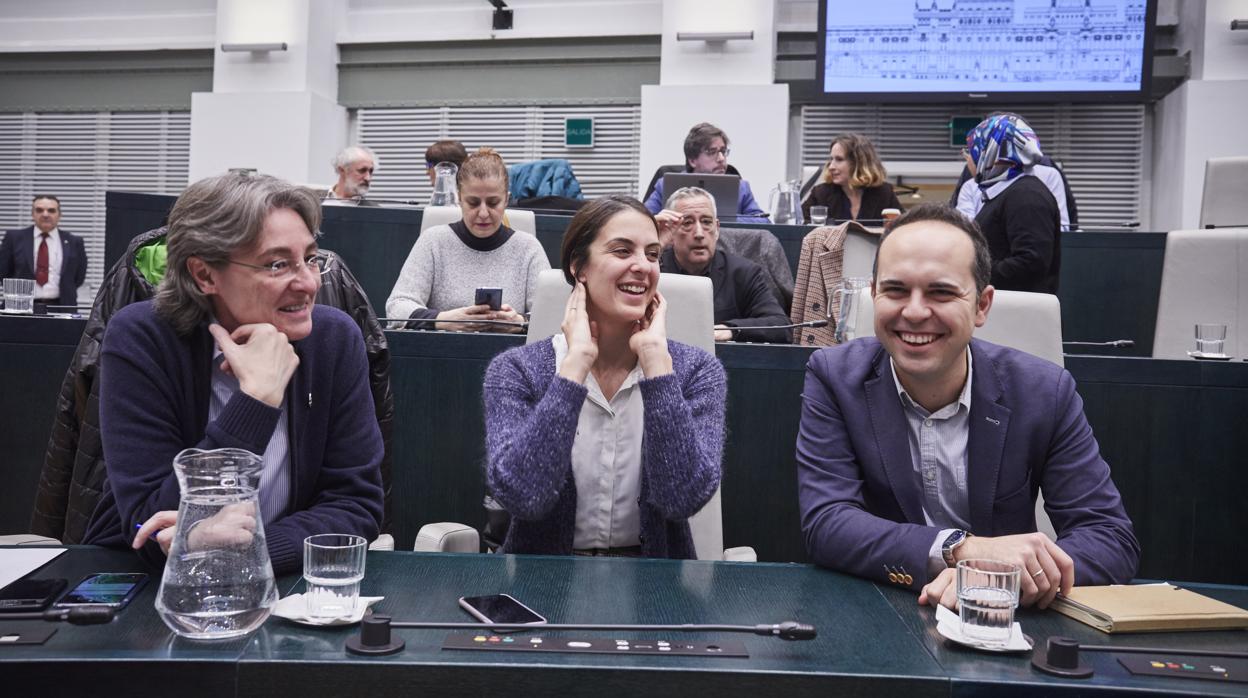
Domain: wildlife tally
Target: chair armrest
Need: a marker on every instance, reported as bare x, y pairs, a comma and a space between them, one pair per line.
447, 537
741, 554
384, 541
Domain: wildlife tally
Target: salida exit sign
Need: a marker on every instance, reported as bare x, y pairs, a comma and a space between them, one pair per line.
578, 132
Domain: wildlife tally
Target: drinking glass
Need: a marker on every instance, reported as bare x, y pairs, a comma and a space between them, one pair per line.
1210, 338
818, 215
333, 566
19, 296
987, 597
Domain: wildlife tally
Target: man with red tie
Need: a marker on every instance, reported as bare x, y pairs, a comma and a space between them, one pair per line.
54, 258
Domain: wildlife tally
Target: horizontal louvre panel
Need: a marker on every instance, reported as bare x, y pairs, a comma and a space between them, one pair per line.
520, 134
78, 157
1100, 147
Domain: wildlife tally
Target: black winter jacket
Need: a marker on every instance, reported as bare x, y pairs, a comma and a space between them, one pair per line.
73, 467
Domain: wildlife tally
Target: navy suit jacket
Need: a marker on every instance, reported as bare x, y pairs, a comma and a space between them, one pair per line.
17, 260
859, 494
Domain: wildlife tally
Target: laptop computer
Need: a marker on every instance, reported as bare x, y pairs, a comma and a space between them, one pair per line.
725, 189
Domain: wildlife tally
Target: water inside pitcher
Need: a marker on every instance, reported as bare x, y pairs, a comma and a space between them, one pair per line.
849, 298
218, 580
786, 203
445, 193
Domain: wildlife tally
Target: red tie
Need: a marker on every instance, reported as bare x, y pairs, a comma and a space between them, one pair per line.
41, 261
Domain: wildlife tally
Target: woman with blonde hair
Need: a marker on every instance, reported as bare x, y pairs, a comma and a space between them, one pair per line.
449, 263
854, 185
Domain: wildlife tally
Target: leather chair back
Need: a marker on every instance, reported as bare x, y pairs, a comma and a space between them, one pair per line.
1203, 281
515, 218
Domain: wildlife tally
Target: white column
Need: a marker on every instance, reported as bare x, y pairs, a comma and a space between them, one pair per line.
728, 83
1204, 117
275, 111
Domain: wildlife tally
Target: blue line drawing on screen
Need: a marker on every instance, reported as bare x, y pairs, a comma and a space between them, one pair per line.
984, 45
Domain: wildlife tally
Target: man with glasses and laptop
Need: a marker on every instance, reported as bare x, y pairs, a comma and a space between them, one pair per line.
233, 352
706, 155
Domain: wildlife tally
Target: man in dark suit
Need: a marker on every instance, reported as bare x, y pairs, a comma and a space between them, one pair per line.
921, 447
54, 258
743, 294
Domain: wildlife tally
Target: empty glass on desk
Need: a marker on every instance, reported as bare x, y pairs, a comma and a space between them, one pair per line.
218, 581
987, 597
818, 215
19, 296
1211, 339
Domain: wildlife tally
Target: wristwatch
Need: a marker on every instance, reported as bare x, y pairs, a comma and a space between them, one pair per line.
952, 541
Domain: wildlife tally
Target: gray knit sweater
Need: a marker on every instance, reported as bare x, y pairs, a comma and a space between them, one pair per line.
442, 273
531, 420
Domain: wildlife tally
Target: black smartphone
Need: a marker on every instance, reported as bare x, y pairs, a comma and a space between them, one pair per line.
492, 297
112, 589
499, 608
30, 594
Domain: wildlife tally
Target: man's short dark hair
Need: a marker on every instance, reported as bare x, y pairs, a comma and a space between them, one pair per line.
446, 151
46, 196
700, 138
981, 266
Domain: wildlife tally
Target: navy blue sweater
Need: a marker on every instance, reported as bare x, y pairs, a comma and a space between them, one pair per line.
154, 393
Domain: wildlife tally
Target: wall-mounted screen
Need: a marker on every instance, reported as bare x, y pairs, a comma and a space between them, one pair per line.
891, 50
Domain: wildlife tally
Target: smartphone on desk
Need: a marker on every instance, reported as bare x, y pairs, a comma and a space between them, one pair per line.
25, 595
499, 608
492, 297
111, 589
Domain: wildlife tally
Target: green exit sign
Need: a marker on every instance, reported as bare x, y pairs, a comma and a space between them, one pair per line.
578, 132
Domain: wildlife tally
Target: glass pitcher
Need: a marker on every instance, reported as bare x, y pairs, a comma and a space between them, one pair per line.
445, 192
786, 203
845, 326
218, 581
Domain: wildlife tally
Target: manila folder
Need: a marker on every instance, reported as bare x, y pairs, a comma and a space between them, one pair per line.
1148, 607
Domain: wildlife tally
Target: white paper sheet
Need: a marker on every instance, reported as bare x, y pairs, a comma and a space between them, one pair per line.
16, 563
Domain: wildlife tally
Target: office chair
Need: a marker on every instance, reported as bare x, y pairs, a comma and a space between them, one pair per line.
1223, 203
690, 320
1030, 322
1202, 281
514, 218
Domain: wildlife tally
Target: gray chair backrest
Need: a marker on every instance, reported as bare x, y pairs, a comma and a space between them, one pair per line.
516, 218
690, 320
1203, 280
1224, 202
761, 246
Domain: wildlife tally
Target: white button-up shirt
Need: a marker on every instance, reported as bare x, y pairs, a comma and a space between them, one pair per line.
52, 289
606, 462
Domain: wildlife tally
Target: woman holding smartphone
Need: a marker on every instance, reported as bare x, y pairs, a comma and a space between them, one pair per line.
449, 263
607, 437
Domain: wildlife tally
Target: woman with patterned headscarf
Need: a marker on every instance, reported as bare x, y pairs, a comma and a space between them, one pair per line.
1019, 216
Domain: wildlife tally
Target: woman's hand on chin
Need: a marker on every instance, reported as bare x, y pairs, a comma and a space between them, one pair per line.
649, 340
582, 337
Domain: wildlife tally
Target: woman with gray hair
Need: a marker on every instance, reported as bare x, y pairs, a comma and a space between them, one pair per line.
226, 355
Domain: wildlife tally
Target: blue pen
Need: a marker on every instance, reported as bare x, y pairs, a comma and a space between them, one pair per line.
151, 537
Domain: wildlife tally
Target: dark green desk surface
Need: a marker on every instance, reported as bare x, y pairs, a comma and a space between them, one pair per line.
872, 640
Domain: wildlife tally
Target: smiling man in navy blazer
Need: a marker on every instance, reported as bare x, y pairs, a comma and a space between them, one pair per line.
55, 259
921, 447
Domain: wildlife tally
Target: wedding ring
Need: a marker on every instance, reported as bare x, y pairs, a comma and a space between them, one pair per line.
1037, 573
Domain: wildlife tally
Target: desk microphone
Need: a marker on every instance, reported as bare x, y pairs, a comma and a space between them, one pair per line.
508, 323
374, 637
808, 323
1111, 343
77, 615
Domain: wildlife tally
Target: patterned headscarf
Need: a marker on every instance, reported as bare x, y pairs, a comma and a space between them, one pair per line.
1002, 147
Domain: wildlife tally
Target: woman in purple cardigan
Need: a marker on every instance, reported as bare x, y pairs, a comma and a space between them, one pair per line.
607, 437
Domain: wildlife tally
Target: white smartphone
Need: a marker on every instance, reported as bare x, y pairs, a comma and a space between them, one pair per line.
499, 608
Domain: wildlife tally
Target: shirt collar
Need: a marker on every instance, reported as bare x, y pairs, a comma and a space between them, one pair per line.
964, 398
995, 190
53, 234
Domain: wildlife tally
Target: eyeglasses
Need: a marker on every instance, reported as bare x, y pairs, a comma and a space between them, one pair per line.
688, 224
716, 152
318, 262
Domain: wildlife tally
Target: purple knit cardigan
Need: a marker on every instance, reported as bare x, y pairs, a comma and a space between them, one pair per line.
530, 421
